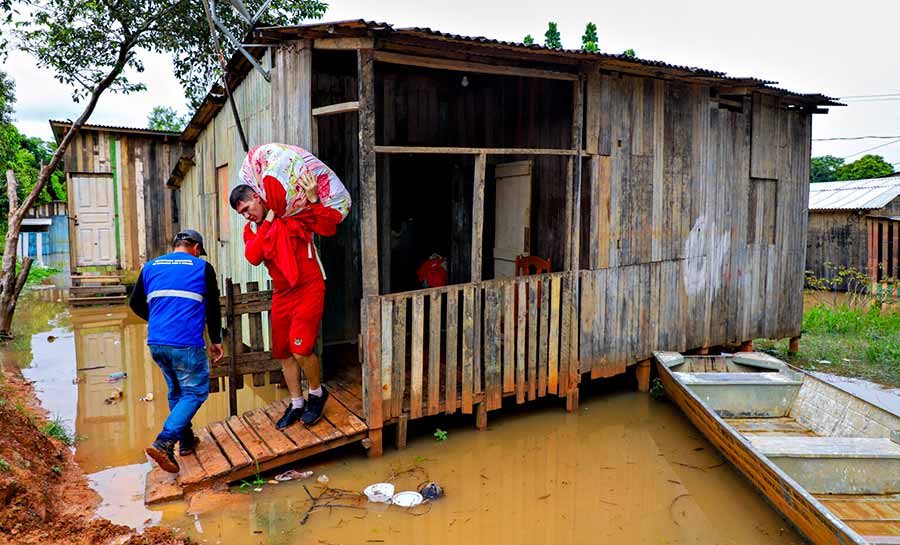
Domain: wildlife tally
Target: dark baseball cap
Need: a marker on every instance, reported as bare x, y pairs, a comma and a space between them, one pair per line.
189, 235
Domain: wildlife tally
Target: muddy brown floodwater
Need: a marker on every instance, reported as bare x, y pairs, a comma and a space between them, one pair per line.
623, 469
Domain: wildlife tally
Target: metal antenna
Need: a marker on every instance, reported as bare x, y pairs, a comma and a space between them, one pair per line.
212, 36
211, 11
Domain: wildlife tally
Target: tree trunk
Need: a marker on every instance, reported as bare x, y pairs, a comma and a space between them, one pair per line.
10, 283
8, 278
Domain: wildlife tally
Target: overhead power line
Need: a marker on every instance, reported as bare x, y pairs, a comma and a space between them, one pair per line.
871, 149
871, 96
854, 138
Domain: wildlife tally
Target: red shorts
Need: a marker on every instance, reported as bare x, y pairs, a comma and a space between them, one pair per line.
295, 317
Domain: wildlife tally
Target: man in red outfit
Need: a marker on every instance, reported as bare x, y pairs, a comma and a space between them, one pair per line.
286, 246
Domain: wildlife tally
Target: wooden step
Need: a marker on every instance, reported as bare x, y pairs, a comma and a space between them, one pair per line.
81, 279
104, 300
89, 291
241, 446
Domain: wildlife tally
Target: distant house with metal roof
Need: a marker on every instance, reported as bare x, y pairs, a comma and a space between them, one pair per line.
120, 211
855, 224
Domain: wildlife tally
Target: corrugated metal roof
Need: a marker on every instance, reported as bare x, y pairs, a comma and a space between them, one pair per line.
58, 124
358, 26
854, 194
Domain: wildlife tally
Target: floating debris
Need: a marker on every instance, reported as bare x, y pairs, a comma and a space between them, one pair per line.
148, 397
118, 375
379, 492
407, 498
431, 491
323, 479
293, 475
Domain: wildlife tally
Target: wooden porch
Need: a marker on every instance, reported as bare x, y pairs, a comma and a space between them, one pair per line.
240, 446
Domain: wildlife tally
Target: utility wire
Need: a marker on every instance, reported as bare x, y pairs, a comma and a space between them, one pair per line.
870, 96
870, 149
866, 100
854, 138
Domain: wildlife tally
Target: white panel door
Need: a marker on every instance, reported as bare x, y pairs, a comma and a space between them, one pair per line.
95, 234
512, 216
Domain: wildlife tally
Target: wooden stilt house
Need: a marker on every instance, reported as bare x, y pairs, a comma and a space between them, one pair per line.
670, 203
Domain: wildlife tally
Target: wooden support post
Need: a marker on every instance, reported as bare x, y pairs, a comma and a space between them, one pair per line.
367, 173
402, 421
572, 399
370, 307
643, 376
746, 346
572, 365
373, 444
232, 346
478, 217
481, 416
794, 346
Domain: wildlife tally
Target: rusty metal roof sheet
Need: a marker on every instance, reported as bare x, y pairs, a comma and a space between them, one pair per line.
59, 126
361, 26
867, 194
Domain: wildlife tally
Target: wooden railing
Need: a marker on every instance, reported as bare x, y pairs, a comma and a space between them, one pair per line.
883, 235
447, 349
242, 358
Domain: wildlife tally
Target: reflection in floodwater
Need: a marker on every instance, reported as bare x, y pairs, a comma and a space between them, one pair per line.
119, 428
624, 469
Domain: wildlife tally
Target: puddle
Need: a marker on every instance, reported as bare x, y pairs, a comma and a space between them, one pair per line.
624, 469
121, 490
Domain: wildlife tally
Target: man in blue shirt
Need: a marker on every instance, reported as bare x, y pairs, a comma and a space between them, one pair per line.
177, 294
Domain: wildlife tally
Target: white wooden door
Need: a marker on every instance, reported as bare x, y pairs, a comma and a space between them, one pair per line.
512, 216
95, 230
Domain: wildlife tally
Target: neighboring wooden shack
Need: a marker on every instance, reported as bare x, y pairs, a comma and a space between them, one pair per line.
670, 201
855, 224
120, 211
45, 236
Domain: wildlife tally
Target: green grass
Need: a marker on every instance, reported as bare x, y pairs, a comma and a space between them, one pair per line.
4, 465
56, 428
856, 341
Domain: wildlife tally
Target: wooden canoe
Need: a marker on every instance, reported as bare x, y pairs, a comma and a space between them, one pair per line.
828, 460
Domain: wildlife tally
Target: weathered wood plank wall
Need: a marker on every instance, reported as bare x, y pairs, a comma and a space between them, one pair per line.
139, 165
840, 237
721, 195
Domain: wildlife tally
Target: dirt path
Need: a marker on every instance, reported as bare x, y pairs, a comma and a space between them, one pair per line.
44, 495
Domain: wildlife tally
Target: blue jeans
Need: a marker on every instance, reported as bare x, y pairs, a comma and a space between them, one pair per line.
186, 370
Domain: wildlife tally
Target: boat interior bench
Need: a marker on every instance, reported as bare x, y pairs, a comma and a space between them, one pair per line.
835, 465
735, 395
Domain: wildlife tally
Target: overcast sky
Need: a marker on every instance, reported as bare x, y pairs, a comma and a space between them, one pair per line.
840, 49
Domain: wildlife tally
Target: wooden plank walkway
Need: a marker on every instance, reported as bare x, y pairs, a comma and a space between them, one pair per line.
236, 448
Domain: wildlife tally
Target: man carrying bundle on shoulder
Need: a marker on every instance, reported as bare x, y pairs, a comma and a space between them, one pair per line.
289, 195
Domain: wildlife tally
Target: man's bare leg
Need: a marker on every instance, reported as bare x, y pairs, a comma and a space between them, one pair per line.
291, 372
310, 366
315, 403
294, 411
